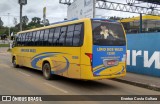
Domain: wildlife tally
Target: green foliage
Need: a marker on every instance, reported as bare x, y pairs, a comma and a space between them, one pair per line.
25, 20
4, 45
3, 30
115, 18
36, 22
1, 22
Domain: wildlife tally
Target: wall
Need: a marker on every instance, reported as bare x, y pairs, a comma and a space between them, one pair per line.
143, 55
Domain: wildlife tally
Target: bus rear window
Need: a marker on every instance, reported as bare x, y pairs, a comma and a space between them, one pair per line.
108, 34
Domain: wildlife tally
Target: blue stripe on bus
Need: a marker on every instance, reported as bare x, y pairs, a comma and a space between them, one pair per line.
64, 69
49, 54
34, 61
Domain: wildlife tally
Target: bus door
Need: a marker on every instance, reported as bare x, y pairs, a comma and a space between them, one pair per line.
75, 51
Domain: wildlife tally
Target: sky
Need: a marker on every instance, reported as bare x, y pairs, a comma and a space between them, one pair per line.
55, 11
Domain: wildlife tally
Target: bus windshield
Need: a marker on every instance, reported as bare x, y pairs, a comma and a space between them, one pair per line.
108, 34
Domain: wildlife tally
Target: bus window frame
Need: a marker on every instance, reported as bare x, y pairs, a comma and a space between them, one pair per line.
81, 42
124, 34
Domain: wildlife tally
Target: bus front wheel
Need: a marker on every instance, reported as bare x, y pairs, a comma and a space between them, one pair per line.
47, 71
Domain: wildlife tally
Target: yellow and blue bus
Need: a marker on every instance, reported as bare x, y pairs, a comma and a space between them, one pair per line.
150, 24
86, 49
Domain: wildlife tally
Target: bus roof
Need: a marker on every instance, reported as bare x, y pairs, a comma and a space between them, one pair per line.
67, 22
103, 19
145, 17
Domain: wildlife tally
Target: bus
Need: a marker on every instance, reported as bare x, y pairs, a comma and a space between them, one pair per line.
150, 24
87, 49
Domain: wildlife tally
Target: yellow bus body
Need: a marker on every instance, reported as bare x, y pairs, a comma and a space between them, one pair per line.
69, 62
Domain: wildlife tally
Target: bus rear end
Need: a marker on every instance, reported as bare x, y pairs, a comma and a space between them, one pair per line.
108, 57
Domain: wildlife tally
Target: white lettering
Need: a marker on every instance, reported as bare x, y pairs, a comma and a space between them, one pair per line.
126, 98
154, 58
148, 61
128, 57
134, 56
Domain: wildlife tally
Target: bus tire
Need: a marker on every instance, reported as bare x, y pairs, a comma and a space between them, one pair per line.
47, 71
14, 63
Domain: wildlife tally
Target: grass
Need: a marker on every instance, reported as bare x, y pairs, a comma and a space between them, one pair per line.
4, 45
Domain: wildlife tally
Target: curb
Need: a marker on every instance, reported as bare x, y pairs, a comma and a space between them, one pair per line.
139, 84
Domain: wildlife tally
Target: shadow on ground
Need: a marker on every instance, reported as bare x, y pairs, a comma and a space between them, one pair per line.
85, 84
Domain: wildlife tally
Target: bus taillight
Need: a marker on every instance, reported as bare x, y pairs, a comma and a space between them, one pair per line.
89, 55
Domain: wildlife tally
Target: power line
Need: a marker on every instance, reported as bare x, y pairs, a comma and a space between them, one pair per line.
129, 7
104, 4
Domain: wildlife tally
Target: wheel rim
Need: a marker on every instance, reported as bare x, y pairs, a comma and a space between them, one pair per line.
46, 71
14, 62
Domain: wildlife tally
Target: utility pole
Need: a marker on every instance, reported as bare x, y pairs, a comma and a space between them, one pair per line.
141, 23
9, 24
44, 14
9, 32
21, 3
21, 7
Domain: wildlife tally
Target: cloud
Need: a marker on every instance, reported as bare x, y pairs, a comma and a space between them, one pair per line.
31, 10
5, 7
55, 11
34, 8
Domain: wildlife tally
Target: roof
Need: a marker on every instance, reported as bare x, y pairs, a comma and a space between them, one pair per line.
67, 22
103, 19
151, 1
145, 17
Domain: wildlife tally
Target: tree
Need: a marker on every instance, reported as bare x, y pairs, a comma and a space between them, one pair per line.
35, 23
115, 18
36, 20
1, 22
25, 20
46, 22
15, 21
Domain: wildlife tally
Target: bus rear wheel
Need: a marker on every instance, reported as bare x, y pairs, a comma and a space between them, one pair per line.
14, 63
47, 71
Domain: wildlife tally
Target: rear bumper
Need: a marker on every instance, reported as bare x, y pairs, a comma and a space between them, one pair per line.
87, 74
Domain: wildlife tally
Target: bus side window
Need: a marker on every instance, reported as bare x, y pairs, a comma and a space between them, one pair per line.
37, 38
62, 36
23, 39
77, 35
26, 39
33, 38
69, 37
19, 39
15, 41
56, 36
51, 37
46, 35
41, 38
30, 39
